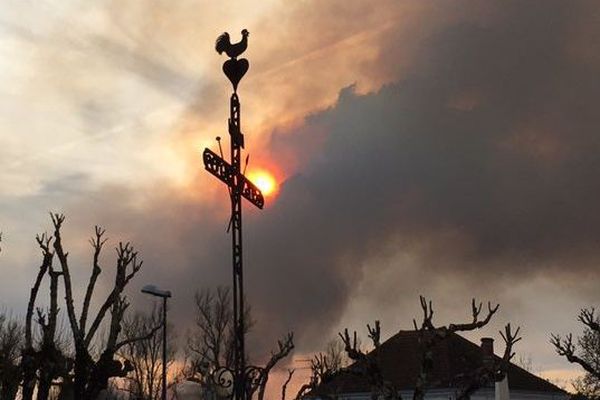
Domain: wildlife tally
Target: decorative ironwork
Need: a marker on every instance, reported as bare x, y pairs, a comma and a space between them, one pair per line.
241, 381
223, 382
233, 68
225, 172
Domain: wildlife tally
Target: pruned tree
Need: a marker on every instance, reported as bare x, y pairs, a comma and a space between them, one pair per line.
430, 335
584, 351
212, 340
145, 356
326, 364
43, 362
492, 370
11, 342
91, 376
367, 364
284, 347
52, 363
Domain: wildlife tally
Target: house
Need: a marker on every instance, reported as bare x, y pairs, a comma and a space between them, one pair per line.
399, 361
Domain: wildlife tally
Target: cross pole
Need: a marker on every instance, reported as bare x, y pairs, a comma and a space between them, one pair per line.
239, 186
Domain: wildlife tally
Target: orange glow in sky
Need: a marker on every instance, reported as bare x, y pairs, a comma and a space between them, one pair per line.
264, 180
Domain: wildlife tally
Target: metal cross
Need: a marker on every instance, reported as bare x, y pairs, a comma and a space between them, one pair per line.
239, 186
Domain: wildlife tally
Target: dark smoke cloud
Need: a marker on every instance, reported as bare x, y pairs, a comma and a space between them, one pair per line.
492, 135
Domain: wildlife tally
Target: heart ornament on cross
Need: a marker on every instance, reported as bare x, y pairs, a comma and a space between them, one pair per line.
235, 70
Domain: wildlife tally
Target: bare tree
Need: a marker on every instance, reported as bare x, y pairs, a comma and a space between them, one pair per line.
42, 362
145, 356
52, 363
368, 365
323, 367
91, 376
431, 335
284, 347
211, 343
492, 370
11, 342
586, 352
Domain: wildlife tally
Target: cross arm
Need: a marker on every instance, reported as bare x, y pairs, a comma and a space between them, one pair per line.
226, 174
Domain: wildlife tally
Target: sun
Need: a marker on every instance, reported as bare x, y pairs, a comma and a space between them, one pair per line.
264, 180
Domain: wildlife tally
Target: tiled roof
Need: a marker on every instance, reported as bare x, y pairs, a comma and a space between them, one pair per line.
399, 359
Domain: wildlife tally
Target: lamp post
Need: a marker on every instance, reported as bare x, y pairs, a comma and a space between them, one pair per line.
164, 294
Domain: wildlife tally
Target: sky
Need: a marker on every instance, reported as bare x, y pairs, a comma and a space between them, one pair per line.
448, 149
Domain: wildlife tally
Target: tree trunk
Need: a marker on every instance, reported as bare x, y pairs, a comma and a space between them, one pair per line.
44, 388
66, 389
9, 392
82, 368
10, 382
29, 371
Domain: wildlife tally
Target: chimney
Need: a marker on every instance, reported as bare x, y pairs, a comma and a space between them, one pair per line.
501, 390
487, 351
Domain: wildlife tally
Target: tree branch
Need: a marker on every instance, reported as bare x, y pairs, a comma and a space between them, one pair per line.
44, 242
588, 318
97, 242
287, 381
351, 347
375, 334
509, 340
57, 221
125, 256
285, 346
475, 323
146, 336
565, 347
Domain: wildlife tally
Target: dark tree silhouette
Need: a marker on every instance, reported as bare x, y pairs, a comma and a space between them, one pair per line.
211, 342
430, 335
585, 352
323, 367
145, 356
11, 342
284, 347
42, 362
91, 376
285, 384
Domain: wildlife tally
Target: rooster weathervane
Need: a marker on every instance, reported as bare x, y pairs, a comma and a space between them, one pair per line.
233, 68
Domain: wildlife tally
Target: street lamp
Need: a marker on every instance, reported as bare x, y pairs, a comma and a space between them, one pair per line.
164, 294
